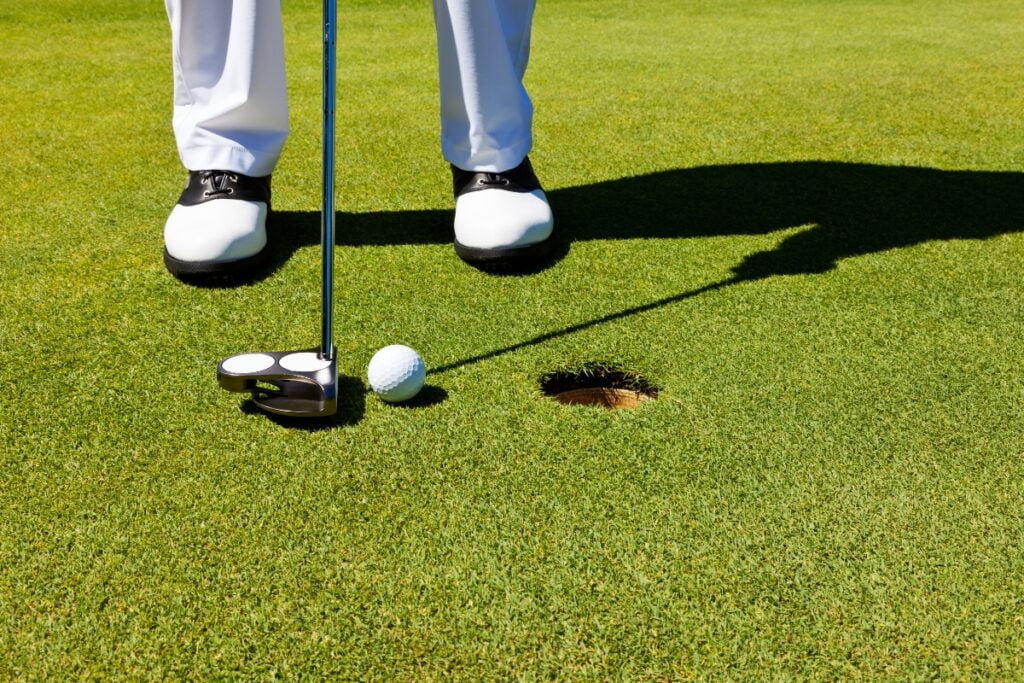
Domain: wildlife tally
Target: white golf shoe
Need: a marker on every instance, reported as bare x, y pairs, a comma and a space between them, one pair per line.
218, 227
502, 220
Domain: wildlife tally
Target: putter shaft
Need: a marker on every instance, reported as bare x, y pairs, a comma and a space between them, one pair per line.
327, 204
302, 383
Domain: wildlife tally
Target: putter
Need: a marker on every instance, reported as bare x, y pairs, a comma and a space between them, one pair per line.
302, 383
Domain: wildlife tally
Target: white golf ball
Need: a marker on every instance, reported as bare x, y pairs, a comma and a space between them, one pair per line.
396, 373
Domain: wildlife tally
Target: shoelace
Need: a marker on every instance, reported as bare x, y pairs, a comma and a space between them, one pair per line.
218, 181
493, 179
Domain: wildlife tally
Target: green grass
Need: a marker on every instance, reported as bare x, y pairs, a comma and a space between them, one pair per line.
829, 485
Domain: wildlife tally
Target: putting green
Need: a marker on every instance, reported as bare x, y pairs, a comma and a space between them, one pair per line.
801, 221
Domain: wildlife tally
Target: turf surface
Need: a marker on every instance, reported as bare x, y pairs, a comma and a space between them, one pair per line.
801, 220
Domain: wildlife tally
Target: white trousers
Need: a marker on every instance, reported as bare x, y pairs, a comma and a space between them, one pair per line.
230, 102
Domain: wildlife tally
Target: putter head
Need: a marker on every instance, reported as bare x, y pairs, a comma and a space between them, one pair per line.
290, 383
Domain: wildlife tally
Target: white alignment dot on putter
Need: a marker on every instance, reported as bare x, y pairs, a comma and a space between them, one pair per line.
248, 362
304, 361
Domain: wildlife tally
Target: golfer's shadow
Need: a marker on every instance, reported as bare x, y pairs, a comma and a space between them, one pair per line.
850, 210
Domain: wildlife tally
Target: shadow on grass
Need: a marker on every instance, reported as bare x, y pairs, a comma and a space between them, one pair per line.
351, 407
854, 209
352, 395
430, 395
554, 334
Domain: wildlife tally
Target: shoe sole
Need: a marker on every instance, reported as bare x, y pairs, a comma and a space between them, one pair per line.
211, 272
508, 260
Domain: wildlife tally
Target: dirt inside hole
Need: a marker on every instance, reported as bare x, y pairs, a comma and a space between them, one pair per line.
598, 384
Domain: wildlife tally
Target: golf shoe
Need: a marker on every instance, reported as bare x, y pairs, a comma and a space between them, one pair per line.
501, 219
218, 226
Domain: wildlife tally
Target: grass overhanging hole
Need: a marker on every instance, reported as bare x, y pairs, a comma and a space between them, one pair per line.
598, 384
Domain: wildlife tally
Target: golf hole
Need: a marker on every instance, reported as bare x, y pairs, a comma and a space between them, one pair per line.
598, 384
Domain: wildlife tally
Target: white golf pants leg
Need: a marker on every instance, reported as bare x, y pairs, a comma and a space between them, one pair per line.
482, 48
230, 101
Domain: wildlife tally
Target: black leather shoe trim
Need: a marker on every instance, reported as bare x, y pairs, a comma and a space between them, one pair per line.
193, 271
507, 258
518, 179
205, 186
